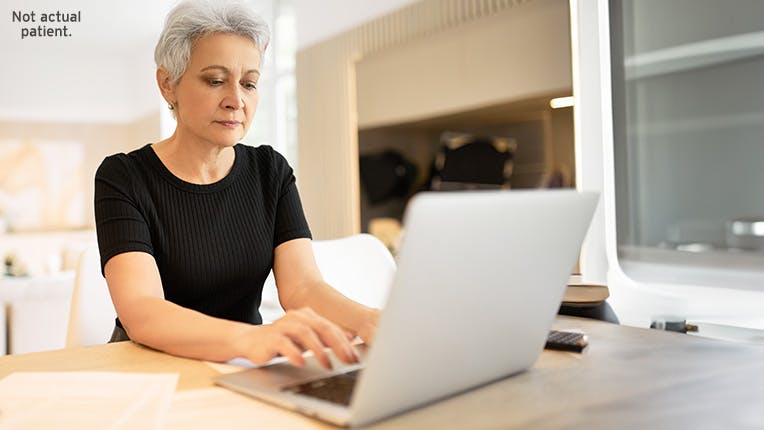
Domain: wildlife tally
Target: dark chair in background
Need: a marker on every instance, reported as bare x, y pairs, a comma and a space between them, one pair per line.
386, 175
469, 162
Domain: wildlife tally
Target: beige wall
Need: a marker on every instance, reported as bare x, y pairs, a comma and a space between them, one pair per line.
100, 140
514, 54
562, 137
403, 60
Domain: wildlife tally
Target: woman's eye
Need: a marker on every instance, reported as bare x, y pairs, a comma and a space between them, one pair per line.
250, 85
215, 82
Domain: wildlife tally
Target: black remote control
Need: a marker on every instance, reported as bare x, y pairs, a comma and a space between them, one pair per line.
566, 340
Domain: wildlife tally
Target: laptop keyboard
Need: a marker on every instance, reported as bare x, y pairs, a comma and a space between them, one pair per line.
335, 389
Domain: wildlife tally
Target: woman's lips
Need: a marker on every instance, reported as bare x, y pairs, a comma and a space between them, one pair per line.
229, 124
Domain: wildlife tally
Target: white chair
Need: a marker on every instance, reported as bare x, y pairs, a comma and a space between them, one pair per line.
360, 267
37, 311
91, 319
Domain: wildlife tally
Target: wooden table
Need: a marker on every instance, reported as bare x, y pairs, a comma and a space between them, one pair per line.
627, 378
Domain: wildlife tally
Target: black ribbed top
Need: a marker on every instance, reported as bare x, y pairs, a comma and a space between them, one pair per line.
213, 244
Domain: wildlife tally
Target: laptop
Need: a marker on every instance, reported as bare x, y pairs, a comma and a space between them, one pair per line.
479, 281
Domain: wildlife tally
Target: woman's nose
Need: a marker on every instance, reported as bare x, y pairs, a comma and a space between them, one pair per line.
233, 99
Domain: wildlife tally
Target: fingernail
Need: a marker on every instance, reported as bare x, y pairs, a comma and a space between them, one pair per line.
326, 363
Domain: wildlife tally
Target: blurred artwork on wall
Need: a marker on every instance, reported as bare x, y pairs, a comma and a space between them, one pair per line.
41, 185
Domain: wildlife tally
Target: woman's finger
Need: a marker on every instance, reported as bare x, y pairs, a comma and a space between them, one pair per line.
303, 334
330, 335
285, 347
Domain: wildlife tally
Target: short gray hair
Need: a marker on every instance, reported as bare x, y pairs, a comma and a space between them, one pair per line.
192, 19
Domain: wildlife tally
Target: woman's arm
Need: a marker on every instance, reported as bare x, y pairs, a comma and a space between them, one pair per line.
300, 285
149, 319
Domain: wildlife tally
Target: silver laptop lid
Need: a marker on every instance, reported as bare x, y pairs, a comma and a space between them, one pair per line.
480, 278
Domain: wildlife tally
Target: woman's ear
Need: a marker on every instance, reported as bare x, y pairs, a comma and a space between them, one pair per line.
165, 85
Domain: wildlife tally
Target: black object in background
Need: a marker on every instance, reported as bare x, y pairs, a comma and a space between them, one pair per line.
566, 341
386, 175
466, 161
602, 312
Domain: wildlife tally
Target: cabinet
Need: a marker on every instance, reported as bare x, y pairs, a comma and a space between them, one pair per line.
688, 120
36, 311
428, 61
493, 76
544, 138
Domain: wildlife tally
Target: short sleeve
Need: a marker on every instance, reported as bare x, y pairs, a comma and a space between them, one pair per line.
290, 218
120, 225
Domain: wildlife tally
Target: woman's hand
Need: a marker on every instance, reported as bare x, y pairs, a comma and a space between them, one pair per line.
368, 327
296, 332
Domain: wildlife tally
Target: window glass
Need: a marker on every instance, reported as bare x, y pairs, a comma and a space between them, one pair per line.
688, 105
275, 120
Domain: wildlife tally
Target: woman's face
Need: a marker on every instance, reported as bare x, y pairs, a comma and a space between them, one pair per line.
216, 98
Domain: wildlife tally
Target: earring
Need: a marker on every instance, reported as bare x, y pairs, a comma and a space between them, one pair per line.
170, 106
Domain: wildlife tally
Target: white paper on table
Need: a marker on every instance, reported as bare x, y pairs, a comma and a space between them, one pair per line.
220, 408
85, 400
238, 364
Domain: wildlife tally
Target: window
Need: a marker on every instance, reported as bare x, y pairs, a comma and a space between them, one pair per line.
275, 123
688, 121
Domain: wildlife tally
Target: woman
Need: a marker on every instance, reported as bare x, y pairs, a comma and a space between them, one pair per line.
189, 227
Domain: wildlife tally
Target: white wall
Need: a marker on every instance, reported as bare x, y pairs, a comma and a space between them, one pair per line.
445, 72
320, 20
64, 86
103, 72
